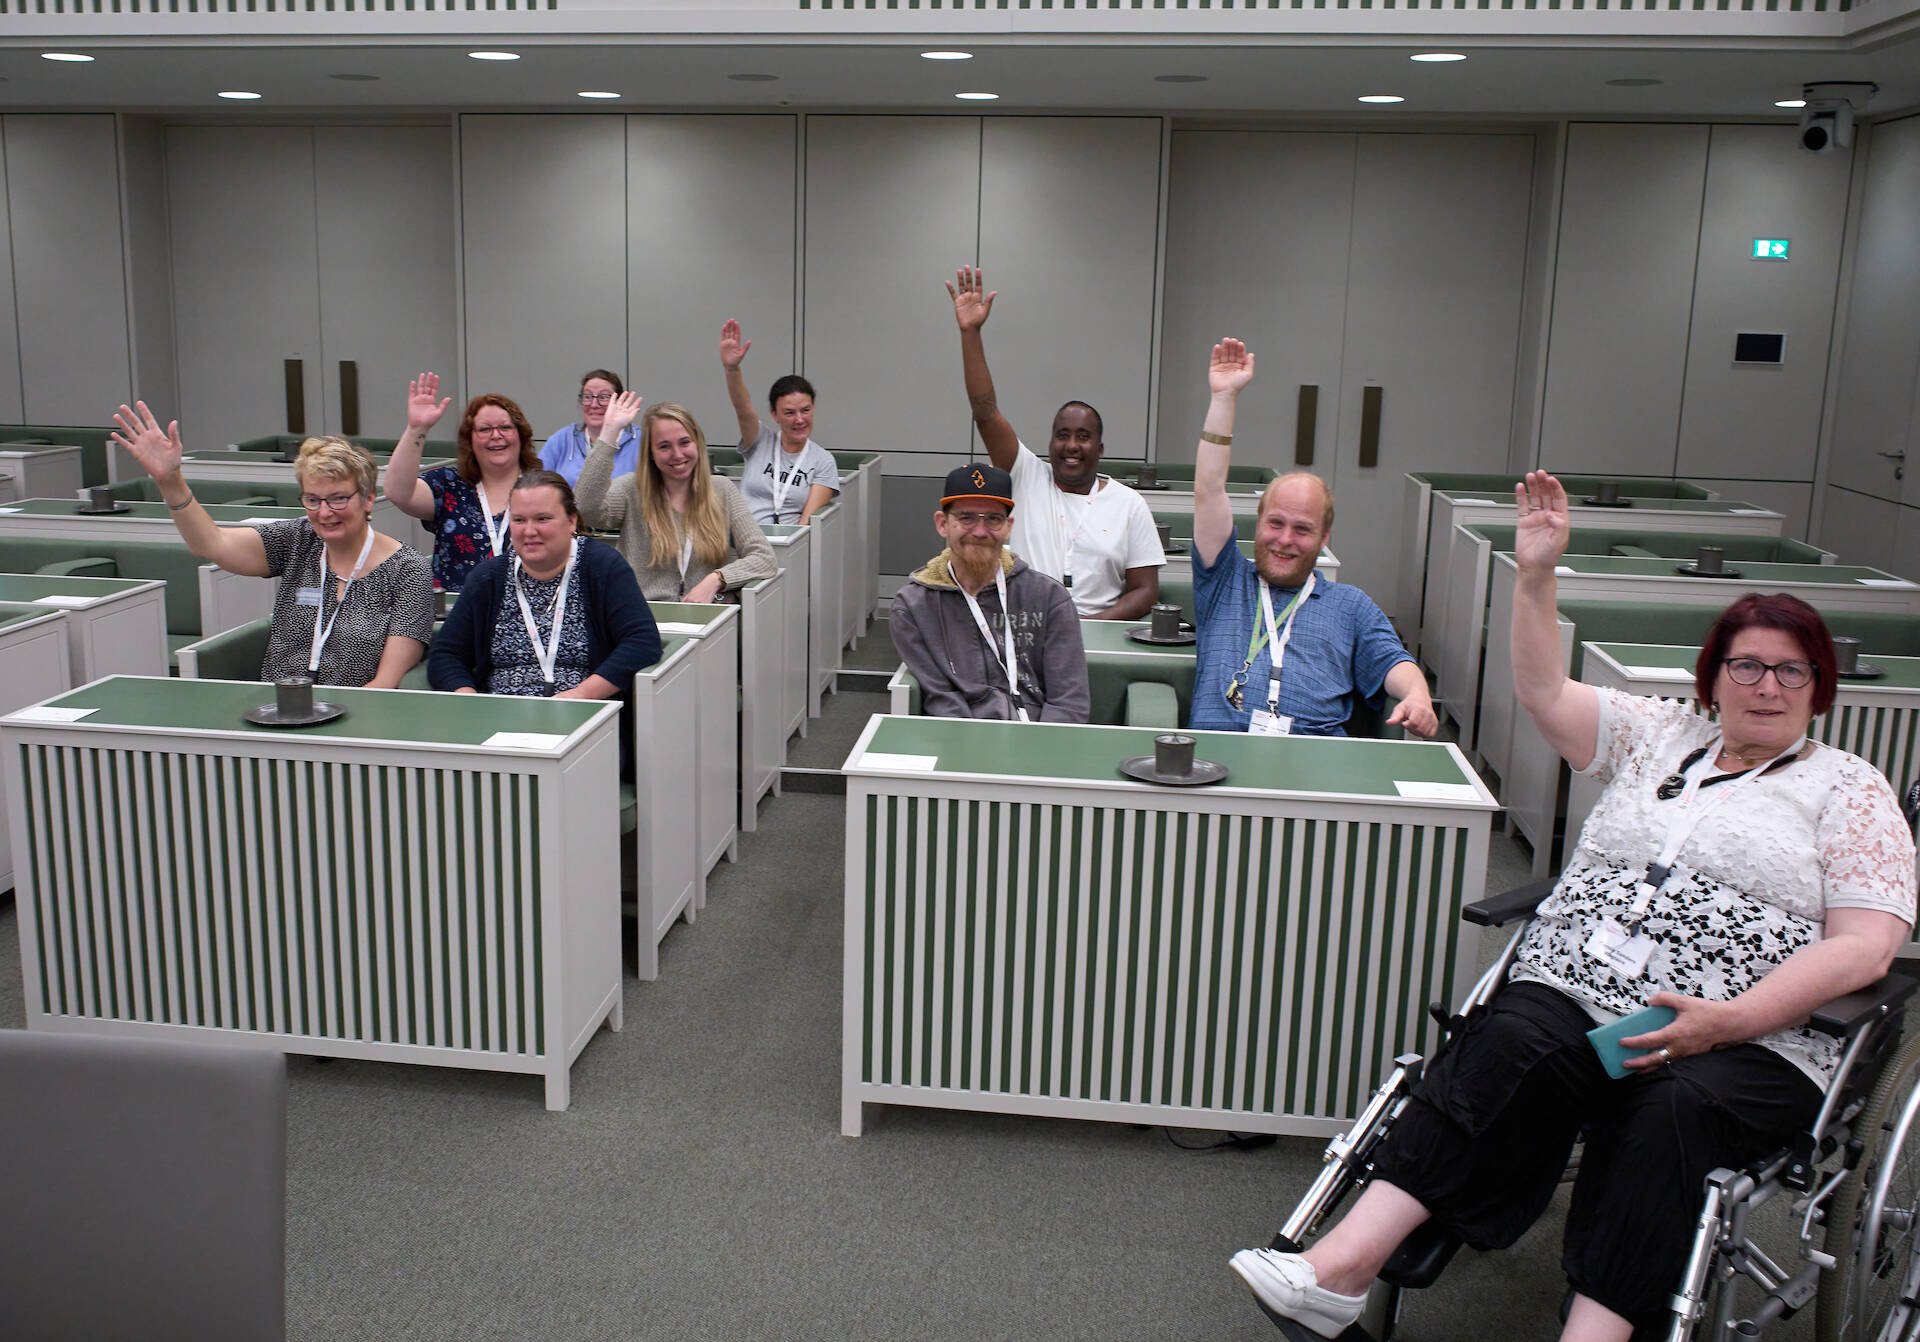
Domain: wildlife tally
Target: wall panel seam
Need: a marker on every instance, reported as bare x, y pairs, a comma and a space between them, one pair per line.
1693, 305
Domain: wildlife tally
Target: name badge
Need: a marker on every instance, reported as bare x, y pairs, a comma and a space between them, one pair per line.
1270, 724
1626, 955
306, 596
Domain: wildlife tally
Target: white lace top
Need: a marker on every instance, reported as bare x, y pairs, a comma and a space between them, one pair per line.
1752, 883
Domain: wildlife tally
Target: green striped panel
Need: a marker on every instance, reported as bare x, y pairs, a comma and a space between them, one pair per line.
199, 891
1136, 956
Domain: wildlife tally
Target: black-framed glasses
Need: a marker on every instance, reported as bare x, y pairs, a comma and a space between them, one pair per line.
495, 430
1749, 670
313, 503
596, 397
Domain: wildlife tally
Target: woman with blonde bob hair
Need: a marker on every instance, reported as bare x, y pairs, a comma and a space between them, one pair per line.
687, 532
353, 607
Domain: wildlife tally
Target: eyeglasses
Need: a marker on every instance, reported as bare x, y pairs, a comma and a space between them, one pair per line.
1750, 670
313, 503
992, 521
496, 430
595, 397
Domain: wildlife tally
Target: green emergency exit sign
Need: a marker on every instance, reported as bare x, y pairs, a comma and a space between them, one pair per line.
1770, 249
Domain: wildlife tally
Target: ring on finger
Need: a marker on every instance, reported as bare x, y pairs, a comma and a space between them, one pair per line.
1666, 1057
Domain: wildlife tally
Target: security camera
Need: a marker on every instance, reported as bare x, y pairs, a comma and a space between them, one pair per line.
1827, 121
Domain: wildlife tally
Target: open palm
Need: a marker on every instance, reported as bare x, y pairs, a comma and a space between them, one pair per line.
732, 348
1541, 530
1231, 368
423, 411
621, 412
972, 305
156, 449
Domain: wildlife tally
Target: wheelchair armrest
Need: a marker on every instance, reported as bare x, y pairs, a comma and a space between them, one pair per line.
1843, 1015
1501, 909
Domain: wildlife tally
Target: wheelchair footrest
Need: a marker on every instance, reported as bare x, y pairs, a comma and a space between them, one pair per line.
1421, 1258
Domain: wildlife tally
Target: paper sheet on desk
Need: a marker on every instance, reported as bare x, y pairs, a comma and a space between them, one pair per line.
880, 759
48, 713
1562, 571
1674, 673
1437, 791
676, 627
70, 602
1748, 512
1885, 582
523, 741
260, 521
1480, 503
12, 510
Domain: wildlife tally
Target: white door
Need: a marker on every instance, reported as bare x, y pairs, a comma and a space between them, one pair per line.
1434, 288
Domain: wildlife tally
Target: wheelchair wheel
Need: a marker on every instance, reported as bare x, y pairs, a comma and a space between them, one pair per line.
1873, 1295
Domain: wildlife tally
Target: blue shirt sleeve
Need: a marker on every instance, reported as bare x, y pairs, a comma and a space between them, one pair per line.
1376, 648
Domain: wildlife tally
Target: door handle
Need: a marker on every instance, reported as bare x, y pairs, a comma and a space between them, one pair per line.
296, 396
1892, 456
349, 397
1370, 398
1304, 420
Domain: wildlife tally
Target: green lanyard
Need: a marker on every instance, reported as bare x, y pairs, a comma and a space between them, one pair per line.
1236, 688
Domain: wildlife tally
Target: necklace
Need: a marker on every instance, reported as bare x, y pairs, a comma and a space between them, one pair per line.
1744, 757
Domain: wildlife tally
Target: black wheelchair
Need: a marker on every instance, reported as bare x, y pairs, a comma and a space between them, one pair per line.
1853, 1180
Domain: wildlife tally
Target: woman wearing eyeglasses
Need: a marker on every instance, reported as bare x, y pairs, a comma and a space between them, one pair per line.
1734, 871
464, 505
354, 607
566, 451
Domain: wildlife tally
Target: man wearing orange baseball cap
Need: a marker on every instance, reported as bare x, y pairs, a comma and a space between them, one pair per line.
985, 635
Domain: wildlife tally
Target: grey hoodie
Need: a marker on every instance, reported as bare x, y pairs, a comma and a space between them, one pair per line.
937, 638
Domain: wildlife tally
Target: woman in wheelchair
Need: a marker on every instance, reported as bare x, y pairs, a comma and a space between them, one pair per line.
1733, 871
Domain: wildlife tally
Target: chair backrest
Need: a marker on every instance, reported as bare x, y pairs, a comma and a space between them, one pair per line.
1109, 675
92, 443
145, 1189
236, 654
169, 561
268, 493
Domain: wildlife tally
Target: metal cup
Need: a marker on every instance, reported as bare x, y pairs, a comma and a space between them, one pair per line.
1846, 654
1173, 755
439, 604
100, 498
1149, 473
1165, 621
1608, 491
1711, 559
1166, 533
293, 698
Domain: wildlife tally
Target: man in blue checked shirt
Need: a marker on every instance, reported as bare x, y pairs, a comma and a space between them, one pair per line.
1282, 650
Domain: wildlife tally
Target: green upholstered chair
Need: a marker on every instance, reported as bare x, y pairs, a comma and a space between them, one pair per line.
1480, 482
168, 561
248, 493
1181, 521
286, 444
92, 443
233, 655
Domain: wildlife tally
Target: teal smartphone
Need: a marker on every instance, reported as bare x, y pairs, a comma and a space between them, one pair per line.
1606, 1038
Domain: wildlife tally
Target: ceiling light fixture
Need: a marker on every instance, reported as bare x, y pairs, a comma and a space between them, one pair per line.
597, 93
977, 97
1792, 104
753, 79
1179, 79
946, 55
240, 95
493, 55
357, 79
1437, 57
1634, 83
1381, 98
72, 57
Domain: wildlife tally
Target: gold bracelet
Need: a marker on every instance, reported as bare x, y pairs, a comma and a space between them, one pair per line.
1224, 439
181, 507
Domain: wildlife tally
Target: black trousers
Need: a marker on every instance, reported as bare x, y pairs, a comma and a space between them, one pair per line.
1486, 1137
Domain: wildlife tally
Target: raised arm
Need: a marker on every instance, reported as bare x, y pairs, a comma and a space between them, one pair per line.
402, 483
971, 307
603, 507
733, 352
235, 549
1566, 712
1228, 373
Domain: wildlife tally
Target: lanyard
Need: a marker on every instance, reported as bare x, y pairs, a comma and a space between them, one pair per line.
1010, 665
545, 656
1687, 816
1069, 539
1261, 637
686, 557
494, 538
780, 482
320, 635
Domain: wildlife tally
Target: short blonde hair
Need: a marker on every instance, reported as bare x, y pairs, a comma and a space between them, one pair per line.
332, 457
1326, 494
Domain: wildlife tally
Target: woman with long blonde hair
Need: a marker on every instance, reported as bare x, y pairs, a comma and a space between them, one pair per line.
687, 532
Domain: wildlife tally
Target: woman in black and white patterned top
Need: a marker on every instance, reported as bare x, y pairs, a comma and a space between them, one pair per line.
1734, 872
354, 607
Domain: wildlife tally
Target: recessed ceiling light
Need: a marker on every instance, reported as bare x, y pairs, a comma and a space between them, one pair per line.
597, 93
977, 97
1791, 102
946, 55
1437, 57
753, 79
1381, 98
73, 56
493, 55
240, 95
1634, 83
357, 79
1179, 79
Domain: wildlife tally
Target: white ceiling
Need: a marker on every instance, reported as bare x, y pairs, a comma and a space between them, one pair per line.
1255, 80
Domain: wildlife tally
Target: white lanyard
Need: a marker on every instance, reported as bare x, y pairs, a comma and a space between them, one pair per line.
1277, 640
320, 635
494, 538
1011, 664
686, 557
780, 482
1687, 817
1070, 539
545, 656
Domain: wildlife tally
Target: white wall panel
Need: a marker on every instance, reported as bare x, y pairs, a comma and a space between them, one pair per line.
1069, 223
1859, 528
1258, 224
10, 409
1623, 289
143, 160
544, 262
1762, 421
711, 214
63, 178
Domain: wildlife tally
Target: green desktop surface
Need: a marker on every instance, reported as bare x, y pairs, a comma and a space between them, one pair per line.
11, 615
227, 513
24, 587
1093, 754
686, 612
1839, 575
1638, 505
1902, 673
1111, 636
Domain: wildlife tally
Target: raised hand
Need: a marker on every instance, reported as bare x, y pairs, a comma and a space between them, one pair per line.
1231, 368
622, 410
422, 412
156, 449
732, 348
1541, 533
971, 304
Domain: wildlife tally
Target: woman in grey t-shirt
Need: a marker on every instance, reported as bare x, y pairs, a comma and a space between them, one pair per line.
788, 476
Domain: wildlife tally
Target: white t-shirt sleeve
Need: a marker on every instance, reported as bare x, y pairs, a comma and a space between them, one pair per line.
821, 469
1143, 549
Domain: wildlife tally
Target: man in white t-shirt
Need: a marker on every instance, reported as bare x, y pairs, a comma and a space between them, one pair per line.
1077, 526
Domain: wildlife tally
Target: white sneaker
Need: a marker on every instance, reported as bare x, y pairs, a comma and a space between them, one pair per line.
1285, 1284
